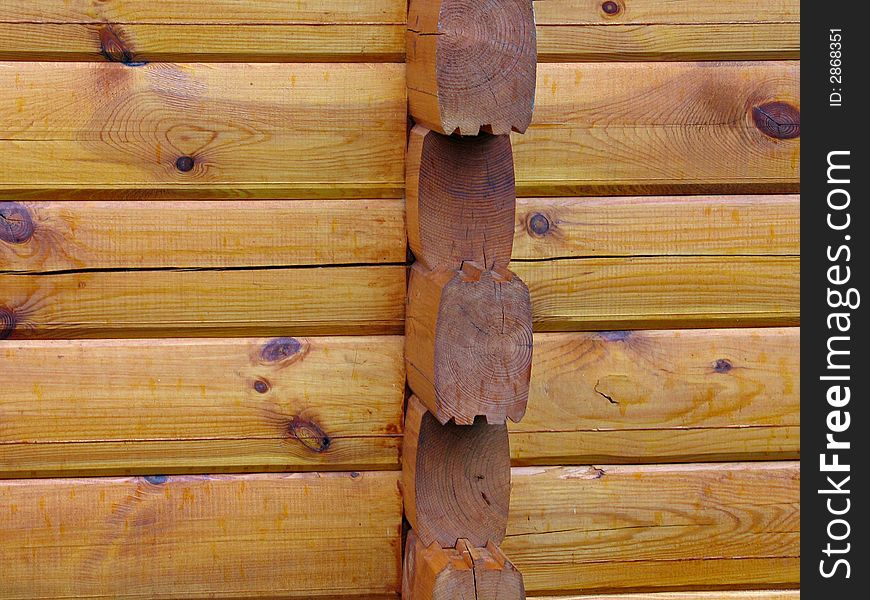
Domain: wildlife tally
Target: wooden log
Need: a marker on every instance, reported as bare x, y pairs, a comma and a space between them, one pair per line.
154, 234
598, 130
670, 526
662, 396
137, 43
211, 536
657, 225
460, 199
468, 348
471, 65
435, 573
455, 479
571, 30
703, 595
663, 292
110, 407
166, 130
237, 303
460, 573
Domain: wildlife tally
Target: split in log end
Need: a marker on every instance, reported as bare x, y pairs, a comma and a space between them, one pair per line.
468, 347
471, 65
455, 479
461, 199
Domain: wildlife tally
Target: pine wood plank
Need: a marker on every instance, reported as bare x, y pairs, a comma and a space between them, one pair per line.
192, 42
671, 42
653, 128
185, 405
285, 130
656, 225
669, 526
156, 234
567, 295
658, 12
662, 292
662, 396
212, 536
173, 303
705, 595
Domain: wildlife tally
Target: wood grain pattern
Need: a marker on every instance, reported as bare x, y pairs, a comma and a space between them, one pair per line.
201, 234
212, 536
662, 292
178, 303
678, 526
567, 295
197, 42
687, 12
182, 406
709, 595
656, 225
625, 128
285, 130
662, 396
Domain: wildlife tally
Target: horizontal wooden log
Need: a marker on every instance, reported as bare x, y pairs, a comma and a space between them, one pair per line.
662, 396
198, 130
153, 234
624, 128
662, 292
135, 43
212, 536
201, 234
587, 30
705, 595
182, 406
575, 294
655, 527
171, 303
102, 407
656, 225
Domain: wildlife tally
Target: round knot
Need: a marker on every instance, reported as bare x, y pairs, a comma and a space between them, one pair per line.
16, 226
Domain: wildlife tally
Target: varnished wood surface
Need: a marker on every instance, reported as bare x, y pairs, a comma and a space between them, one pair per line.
612, 528
298, 130
180, 406
662, 396
203, 234
113, 407
213, 536
653, 128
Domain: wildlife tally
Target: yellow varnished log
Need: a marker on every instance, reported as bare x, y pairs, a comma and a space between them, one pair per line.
181, 406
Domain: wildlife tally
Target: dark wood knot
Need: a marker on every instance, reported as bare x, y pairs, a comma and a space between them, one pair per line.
722, 365
113, 48
156, 479
8, 321
539, 224
614, 336
778, 120
184, 163
16, 226
309, 434
280, 349
261, 386
611, 8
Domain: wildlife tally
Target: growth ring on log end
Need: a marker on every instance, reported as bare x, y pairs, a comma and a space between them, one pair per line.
460, 198
455, 479
471, 65
468, 344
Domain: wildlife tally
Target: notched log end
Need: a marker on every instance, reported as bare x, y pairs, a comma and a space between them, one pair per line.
778, 120
16, 224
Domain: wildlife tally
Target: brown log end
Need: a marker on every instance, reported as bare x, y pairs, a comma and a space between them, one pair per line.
461, 199
455, 479
468, 344
495, 577
471, 65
